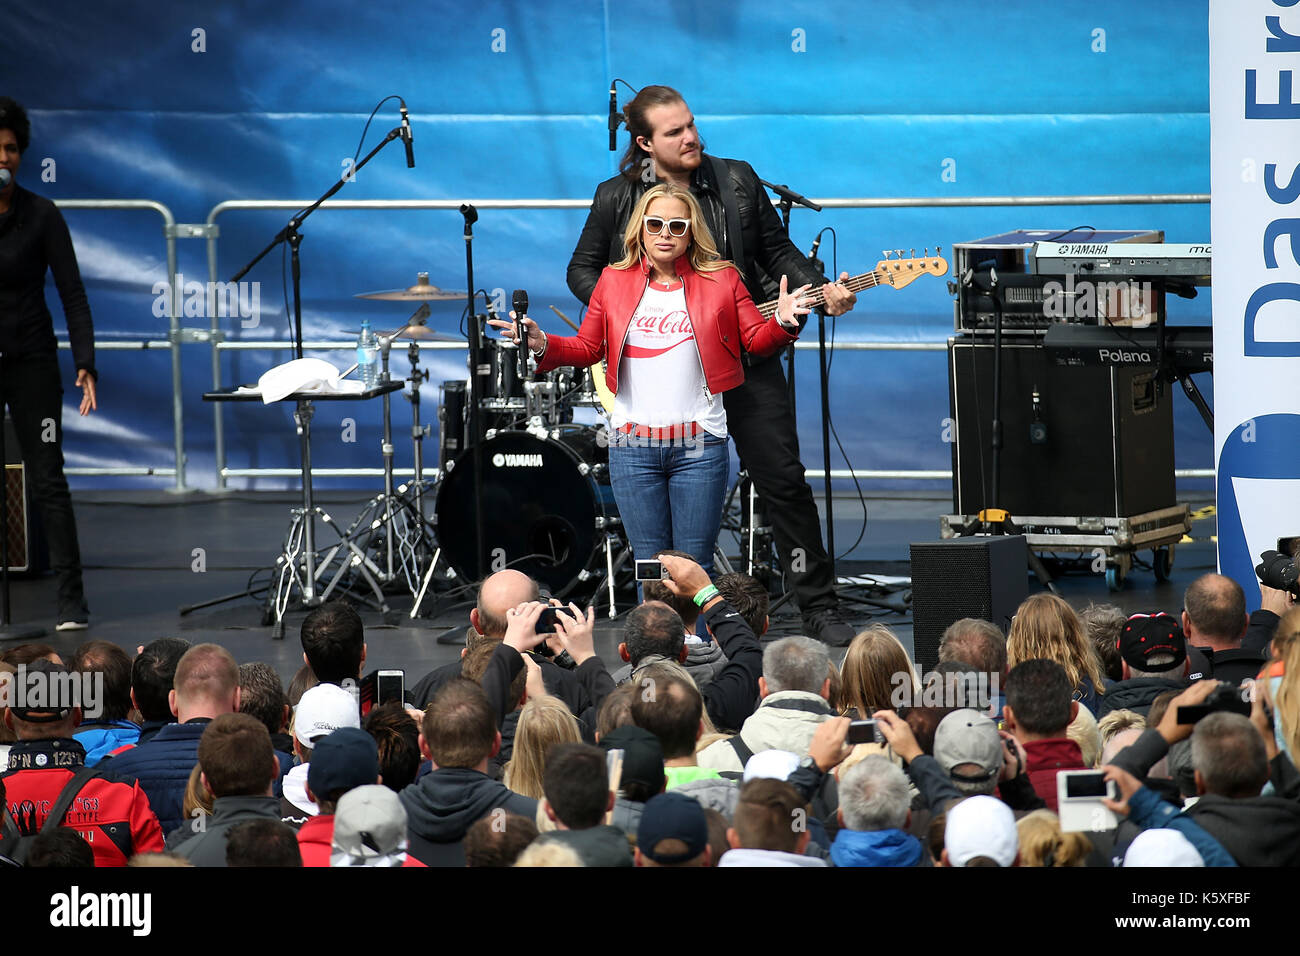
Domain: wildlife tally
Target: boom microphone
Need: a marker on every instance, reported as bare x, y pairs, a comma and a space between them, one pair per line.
407, 137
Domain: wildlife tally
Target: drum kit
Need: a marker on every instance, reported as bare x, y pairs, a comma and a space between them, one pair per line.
543, 478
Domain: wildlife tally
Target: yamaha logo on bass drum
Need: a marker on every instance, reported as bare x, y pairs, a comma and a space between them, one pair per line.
516, 461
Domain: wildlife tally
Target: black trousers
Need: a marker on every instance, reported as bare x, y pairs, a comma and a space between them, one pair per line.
760, 422
31, 388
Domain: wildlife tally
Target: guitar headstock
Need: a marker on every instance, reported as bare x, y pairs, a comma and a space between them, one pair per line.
900, 272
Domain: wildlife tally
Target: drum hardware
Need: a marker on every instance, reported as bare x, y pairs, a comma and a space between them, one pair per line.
399, 513
422, 291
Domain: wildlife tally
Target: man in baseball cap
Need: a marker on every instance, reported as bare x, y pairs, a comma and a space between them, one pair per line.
322, 710
1153, 651
980, 831
673, 833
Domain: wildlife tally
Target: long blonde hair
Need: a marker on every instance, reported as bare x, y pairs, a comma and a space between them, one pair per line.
871, 672
543, 723
702, 252
1286, 702
1046, 626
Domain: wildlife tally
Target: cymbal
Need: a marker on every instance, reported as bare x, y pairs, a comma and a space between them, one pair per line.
422, 291
422, 333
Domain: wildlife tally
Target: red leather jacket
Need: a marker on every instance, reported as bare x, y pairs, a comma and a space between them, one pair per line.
724, 317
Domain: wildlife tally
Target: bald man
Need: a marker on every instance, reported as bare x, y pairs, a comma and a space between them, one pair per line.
498, 593
1215, 620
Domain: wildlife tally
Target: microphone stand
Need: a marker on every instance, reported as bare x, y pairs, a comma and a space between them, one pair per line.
788, 198
995, 520
304, 410
293, 237
475, 390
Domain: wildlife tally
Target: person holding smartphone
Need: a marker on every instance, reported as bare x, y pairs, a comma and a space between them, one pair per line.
671, 320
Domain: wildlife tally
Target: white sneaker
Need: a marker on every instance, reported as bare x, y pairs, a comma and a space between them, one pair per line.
72, 626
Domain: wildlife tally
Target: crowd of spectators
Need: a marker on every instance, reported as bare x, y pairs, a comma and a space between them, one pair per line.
698, 752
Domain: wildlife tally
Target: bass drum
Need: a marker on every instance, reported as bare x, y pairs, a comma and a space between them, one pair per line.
546, 505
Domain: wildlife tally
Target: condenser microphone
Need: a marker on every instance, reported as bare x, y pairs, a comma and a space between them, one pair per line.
407, 137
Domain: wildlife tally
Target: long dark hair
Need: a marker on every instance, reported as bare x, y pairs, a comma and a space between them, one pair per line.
634, 117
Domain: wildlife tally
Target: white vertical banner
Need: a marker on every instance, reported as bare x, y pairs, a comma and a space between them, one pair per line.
1255, 235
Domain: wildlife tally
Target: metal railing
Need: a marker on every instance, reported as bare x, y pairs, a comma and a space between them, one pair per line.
214, 335
172, 342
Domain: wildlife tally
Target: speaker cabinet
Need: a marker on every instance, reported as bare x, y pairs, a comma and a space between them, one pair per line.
28, 551
985, 578
1099, 441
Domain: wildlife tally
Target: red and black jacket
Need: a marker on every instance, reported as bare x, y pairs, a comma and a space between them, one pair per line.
112, 815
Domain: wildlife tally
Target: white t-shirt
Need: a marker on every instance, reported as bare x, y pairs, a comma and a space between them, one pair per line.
661, 376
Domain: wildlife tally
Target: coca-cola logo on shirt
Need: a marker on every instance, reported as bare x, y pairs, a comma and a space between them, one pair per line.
670, 323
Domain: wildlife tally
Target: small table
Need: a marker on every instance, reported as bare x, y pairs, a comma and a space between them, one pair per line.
298, 566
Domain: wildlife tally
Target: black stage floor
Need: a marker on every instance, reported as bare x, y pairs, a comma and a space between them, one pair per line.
147, 554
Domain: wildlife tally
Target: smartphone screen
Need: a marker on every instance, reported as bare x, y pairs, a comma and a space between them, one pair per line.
391, 685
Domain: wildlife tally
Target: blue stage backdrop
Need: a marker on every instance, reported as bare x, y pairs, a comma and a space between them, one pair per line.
195, 104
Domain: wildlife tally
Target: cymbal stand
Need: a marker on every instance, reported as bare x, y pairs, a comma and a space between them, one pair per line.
406, 532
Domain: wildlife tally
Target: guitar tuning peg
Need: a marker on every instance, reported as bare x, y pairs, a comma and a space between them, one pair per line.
899, 253
926, 253
885, 253
938, 250
911, 253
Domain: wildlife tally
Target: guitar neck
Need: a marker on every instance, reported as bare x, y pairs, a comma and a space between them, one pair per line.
816, 298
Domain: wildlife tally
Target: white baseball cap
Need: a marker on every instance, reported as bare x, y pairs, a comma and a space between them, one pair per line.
324, 709
981, 826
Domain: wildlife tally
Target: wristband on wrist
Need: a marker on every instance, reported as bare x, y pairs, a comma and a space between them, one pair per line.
705, 594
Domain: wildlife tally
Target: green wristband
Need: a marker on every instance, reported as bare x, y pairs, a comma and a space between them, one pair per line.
704, 595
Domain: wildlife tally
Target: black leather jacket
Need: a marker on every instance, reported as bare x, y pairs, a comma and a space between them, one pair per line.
769, 254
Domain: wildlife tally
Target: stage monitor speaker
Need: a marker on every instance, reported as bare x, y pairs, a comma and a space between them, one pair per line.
981, 577
1098, 442
28, 551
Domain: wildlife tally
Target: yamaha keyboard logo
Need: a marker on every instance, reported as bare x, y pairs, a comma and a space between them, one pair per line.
517, 461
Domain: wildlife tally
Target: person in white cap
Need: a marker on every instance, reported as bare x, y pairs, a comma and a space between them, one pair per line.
324, 709
980, 831
1162, 847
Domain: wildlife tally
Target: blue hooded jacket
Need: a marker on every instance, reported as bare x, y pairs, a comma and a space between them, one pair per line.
876, 848
102, 739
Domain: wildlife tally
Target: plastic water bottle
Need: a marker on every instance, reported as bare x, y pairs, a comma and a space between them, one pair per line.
367, 356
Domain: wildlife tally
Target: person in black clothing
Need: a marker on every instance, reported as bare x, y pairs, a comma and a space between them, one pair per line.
665, 146
498, 593
35, 239
1215, 621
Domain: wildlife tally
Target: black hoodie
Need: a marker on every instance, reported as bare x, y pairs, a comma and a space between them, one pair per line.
1136, 694
441, 806
1257, 831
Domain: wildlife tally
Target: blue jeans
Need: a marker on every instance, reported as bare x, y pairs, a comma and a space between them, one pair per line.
670, 495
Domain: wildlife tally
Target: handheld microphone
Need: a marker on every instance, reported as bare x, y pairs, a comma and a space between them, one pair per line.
6, 178
613, 117
519, 301
407, 137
